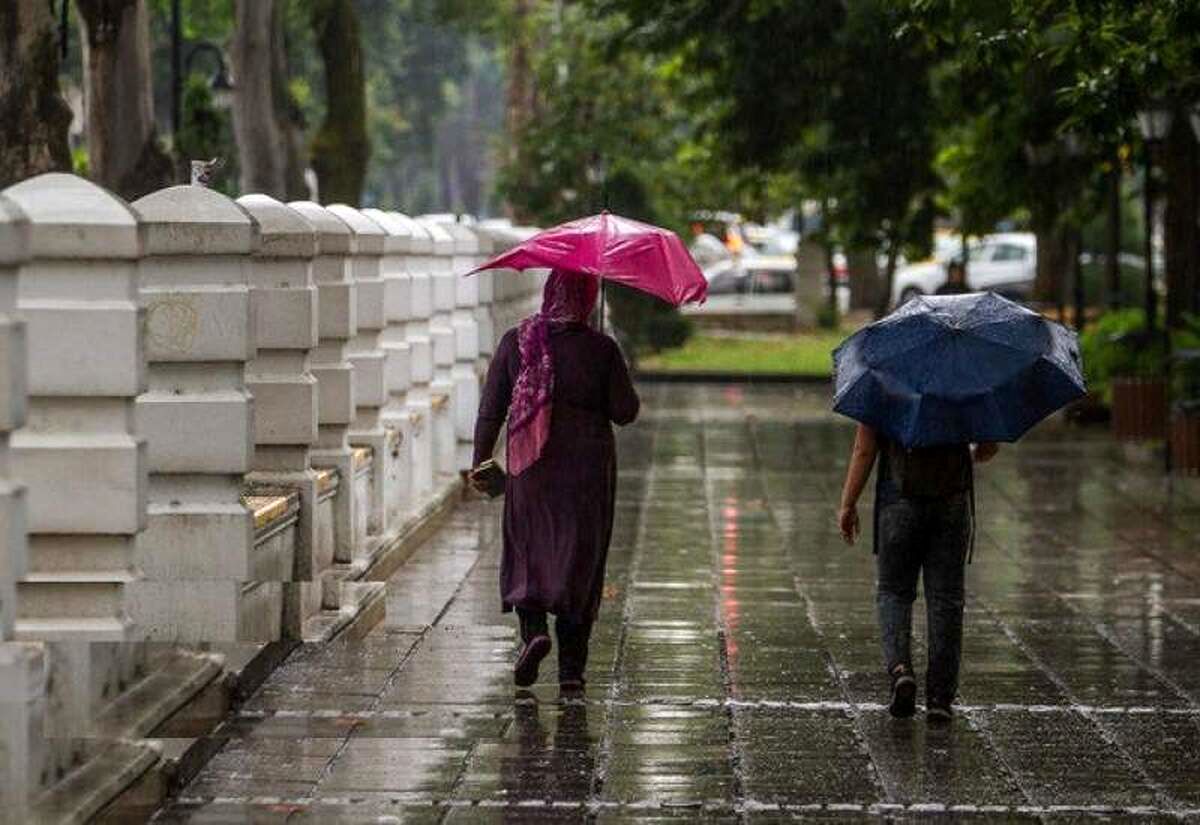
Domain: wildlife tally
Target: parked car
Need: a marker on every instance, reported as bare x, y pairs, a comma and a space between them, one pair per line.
766, 275
1005, 263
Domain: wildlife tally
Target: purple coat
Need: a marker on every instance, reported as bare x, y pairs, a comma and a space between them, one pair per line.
558, 514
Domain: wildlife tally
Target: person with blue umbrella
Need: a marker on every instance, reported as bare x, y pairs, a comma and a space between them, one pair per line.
935, 387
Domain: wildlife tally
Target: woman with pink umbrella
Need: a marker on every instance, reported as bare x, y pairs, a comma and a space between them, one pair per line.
561, 385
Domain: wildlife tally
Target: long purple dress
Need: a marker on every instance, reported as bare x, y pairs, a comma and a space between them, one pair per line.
558, 514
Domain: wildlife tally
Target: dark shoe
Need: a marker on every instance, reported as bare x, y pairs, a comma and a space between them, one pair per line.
571, 685
525, 671
938, 711
904, 693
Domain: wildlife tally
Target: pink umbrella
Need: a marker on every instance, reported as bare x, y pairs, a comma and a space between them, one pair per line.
629, 252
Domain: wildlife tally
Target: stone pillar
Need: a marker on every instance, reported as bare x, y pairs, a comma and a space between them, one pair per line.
420, 395
366, 354
465, 372
83, 466
398, 362
22, 667
441, 334
487, 293
198, 550
283, 298
337, 324
14, 250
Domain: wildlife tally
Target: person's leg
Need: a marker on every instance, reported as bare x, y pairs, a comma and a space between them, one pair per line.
533, 623
535, 638
572, 651
945, 574
898, 567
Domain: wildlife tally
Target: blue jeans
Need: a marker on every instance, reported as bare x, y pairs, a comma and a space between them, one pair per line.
930, 535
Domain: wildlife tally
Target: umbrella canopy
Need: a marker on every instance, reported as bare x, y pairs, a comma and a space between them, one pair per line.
957, 369
629, 252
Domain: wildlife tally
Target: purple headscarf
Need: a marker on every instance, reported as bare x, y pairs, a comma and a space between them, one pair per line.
569, 297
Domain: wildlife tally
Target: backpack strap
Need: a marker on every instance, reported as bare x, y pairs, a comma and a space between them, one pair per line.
971, 493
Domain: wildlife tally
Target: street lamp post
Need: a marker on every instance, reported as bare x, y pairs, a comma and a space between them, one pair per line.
181, 66
1154, 123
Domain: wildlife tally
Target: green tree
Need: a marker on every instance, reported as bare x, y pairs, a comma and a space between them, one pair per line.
820, 89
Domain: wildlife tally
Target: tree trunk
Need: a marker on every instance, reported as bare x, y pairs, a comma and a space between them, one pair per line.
1053, 263
34, 118
123, 150
1180, 235
341, 148
884, 300
519, 97
261, 104
864, 278
1112, 236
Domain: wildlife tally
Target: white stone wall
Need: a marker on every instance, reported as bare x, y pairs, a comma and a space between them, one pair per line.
216, 417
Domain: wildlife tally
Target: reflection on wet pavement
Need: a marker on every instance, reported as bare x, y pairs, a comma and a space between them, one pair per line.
735, 673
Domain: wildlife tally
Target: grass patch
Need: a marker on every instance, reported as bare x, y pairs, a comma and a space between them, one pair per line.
808, 354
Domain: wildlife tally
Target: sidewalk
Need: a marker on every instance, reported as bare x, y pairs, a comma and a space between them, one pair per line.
735, 672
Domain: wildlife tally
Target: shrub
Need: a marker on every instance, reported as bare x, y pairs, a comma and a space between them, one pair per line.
1118, 345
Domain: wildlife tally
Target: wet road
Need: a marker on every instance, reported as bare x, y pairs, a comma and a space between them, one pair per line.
735, 673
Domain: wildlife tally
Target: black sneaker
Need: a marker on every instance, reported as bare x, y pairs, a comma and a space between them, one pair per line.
938, 711
904, 693
525, 671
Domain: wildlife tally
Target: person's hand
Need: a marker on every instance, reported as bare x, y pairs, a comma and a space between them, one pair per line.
477, 483
848, 524
985, 452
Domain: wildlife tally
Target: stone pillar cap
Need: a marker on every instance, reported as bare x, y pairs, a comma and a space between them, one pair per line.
333, 235
465, 242
369, 235
74, 218
421, 243
399, 235
443, 241
195, 220
483, 239
14, 234
284, 231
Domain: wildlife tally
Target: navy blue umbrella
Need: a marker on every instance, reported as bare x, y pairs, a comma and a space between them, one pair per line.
957, 369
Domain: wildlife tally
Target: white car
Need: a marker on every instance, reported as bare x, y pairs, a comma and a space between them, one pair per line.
1005, 263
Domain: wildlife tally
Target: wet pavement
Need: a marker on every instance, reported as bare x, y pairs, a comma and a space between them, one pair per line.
735, 673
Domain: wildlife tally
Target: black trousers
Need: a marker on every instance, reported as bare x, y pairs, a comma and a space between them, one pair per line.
572, 640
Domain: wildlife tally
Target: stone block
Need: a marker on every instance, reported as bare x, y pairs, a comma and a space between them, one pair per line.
370, 297
466, 338
397, 297
443, 345
285, 317
370, 387
335, 392
83, 348
421, 348
90, 483
210, 432
13, 552
338, 310
209, 611
200, 538
198, 323
422, 295
285, 409
398, 366
12, 373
